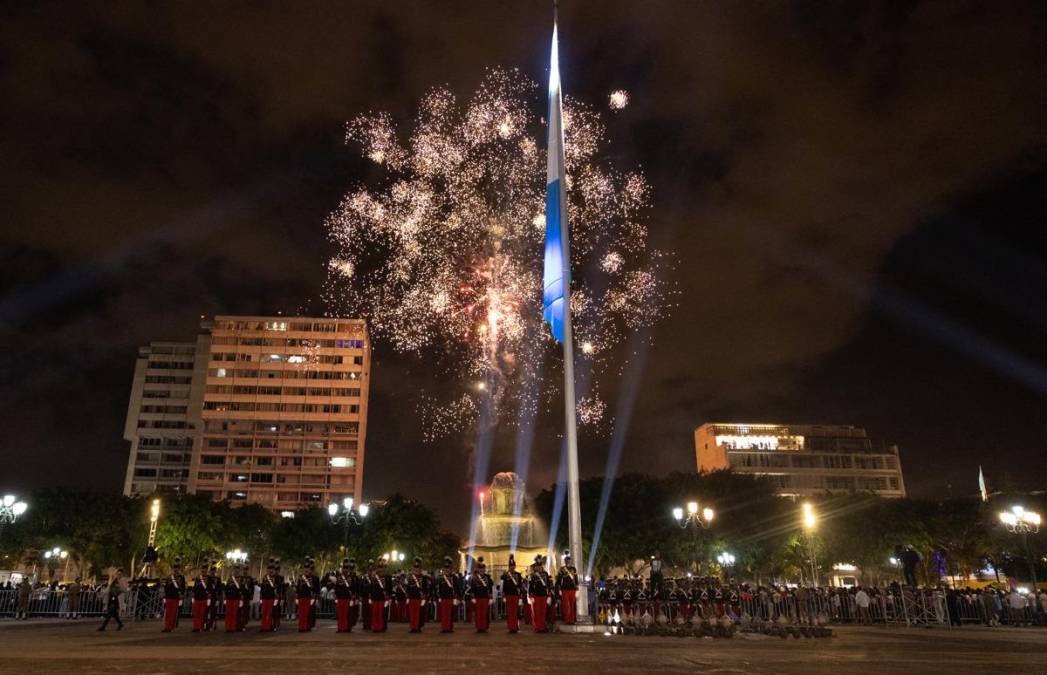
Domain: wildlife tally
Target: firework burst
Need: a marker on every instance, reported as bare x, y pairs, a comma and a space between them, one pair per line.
444, 256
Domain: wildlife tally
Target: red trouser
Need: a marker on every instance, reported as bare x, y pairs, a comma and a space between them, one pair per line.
446, 612
569, 606
550, 611
377, 615
538, 612
512, 611
232, 615
341, 613
481, 615
170, 614
267, 615
199, 614
414, 613
303, 614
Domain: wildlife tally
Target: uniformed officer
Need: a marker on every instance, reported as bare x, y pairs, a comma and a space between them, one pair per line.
352, 579
379, 599
363, 592
538, 595
267, 594
416, 585
233, 595
201, 600
512, 585
174, 593
280, 604
343, 595
215, 593
304, 592
247, 584
567, 582
480, 592
448, 589
314, 583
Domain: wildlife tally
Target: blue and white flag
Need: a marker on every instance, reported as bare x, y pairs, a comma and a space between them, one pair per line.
555, 277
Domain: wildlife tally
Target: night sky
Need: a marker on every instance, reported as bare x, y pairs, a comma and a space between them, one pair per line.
855, 193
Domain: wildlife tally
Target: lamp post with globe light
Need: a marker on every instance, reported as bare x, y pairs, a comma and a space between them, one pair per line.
810, 523
726, 561
1020, 520
344, 514
695, 516
10, 509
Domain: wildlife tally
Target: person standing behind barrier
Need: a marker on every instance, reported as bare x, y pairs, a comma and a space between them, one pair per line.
862, 601
73, 590
25, 589
910, 559
112, 601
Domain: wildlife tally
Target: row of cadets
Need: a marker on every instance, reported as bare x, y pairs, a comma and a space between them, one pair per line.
174, 594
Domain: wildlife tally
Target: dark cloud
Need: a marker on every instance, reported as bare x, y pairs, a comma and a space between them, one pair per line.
816, 167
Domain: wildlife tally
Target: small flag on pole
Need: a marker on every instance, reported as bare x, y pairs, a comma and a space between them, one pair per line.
981, 484
554, 281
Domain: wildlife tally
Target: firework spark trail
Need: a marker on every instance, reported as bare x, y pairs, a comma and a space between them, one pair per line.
443, 257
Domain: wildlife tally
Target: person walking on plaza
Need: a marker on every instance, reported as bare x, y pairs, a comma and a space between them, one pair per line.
481, 596
174, 594
448, 587
417, 588
567, 582
512, 583
537, 593
112, 601
73, 590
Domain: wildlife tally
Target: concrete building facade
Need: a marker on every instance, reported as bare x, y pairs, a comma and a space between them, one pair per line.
276, 408
802, 459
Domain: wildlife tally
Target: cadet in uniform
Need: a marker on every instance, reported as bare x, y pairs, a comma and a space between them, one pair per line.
567, 582
363, 592
314, 585
268, 594
232, 603
174, 593
215, 595
353, 581
480, 590
343, 595
538, 593
304, 592
379, 599
201, 601
447, 591
512, 584
417, 588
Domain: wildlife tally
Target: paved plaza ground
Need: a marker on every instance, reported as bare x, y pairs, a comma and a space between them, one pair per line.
47, 647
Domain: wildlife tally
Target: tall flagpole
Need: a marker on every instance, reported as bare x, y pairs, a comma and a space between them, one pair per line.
574, 510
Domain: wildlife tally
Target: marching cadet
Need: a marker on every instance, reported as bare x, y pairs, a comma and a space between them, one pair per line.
512, 584
448, 587
538, 595
363, 592
280, 604
268, 593
304, 592
480, 590
201, 601
379, 599
233, 596
174, 593
352, 579
417, 588
215, 594
553, 595
314, 585
567, 583
343, 595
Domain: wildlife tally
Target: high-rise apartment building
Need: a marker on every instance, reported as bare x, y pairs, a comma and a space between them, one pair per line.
802, 459
277, 411
158, 419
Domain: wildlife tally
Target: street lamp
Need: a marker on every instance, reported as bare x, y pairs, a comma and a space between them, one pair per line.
810, 523
1021, 521
394, 556
10, 509
346, 515
695, 516
726, 560
236, 556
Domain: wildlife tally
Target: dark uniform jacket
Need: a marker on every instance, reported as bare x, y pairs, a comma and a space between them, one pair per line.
512, 583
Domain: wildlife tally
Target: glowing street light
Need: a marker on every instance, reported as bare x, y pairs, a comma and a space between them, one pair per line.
1021, 521
344, 514
236, 556
697, 516
810, 519
10, 509
725, 559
